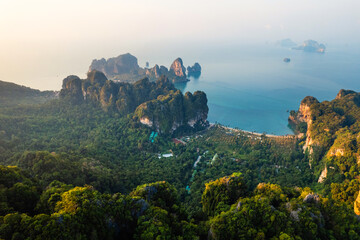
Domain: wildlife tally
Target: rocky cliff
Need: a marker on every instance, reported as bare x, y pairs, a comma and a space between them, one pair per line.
156, 104
125, 64
178, 70
332, 129
303, 115
125, 68
169, 112
156, 72
357, 205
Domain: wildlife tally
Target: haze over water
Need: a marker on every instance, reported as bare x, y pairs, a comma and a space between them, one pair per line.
253, 89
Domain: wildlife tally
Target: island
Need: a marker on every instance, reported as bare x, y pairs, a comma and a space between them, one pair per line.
195, 70
287, 60
311, 46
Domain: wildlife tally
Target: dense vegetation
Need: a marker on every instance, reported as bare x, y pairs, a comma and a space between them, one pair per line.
88, 169
153, 211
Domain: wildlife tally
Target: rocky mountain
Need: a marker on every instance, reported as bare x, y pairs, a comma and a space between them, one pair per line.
156, 104
125, 63
331, 131
178, 70
195, 70
12, 94
311, 46
125, 68
168, 112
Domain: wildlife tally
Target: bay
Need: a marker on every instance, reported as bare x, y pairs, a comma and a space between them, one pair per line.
253, 89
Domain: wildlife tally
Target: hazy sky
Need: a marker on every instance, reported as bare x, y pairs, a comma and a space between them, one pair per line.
42, 41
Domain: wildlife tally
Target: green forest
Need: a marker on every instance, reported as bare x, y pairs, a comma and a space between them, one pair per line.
83, 166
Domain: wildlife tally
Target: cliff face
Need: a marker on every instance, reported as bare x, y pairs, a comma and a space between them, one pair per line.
323, 175
156, 104
178, 70
304, 115
357, 205
156, 72
122, 97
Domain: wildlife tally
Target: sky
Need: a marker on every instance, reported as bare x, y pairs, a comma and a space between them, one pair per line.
43, 41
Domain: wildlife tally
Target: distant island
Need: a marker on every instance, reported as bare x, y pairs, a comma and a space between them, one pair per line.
195, 70
287, 60
125, 68
286, 43
311, 46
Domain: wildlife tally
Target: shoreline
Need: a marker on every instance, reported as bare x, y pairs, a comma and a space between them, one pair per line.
252, 133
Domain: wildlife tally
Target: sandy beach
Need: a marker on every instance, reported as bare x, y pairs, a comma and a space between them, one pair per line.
254, 133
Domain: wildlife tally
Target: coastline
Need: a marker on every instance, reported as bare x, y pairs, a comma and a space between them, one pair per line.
252, 133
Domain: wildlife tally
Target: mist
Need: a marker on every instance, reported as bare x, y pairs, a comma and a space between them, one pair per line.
44, 41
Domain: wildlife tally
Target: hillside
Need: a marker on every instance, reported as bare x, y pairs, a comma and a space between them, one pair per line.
332, 128
331, 139
12, 94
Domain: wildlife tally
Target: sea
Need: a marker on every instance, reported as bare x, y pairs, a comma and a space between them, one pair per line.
253, 89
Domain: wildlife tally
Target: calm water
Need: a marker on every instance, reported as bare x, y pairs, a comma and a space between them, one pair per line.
253, 89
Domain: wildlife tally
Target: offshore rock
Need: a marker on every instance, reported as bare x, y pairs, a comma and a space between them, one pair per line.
177, 71
195, 70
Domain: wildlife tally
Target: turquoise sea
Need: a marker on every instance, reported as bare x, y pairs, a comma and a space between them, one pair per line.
253, 89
